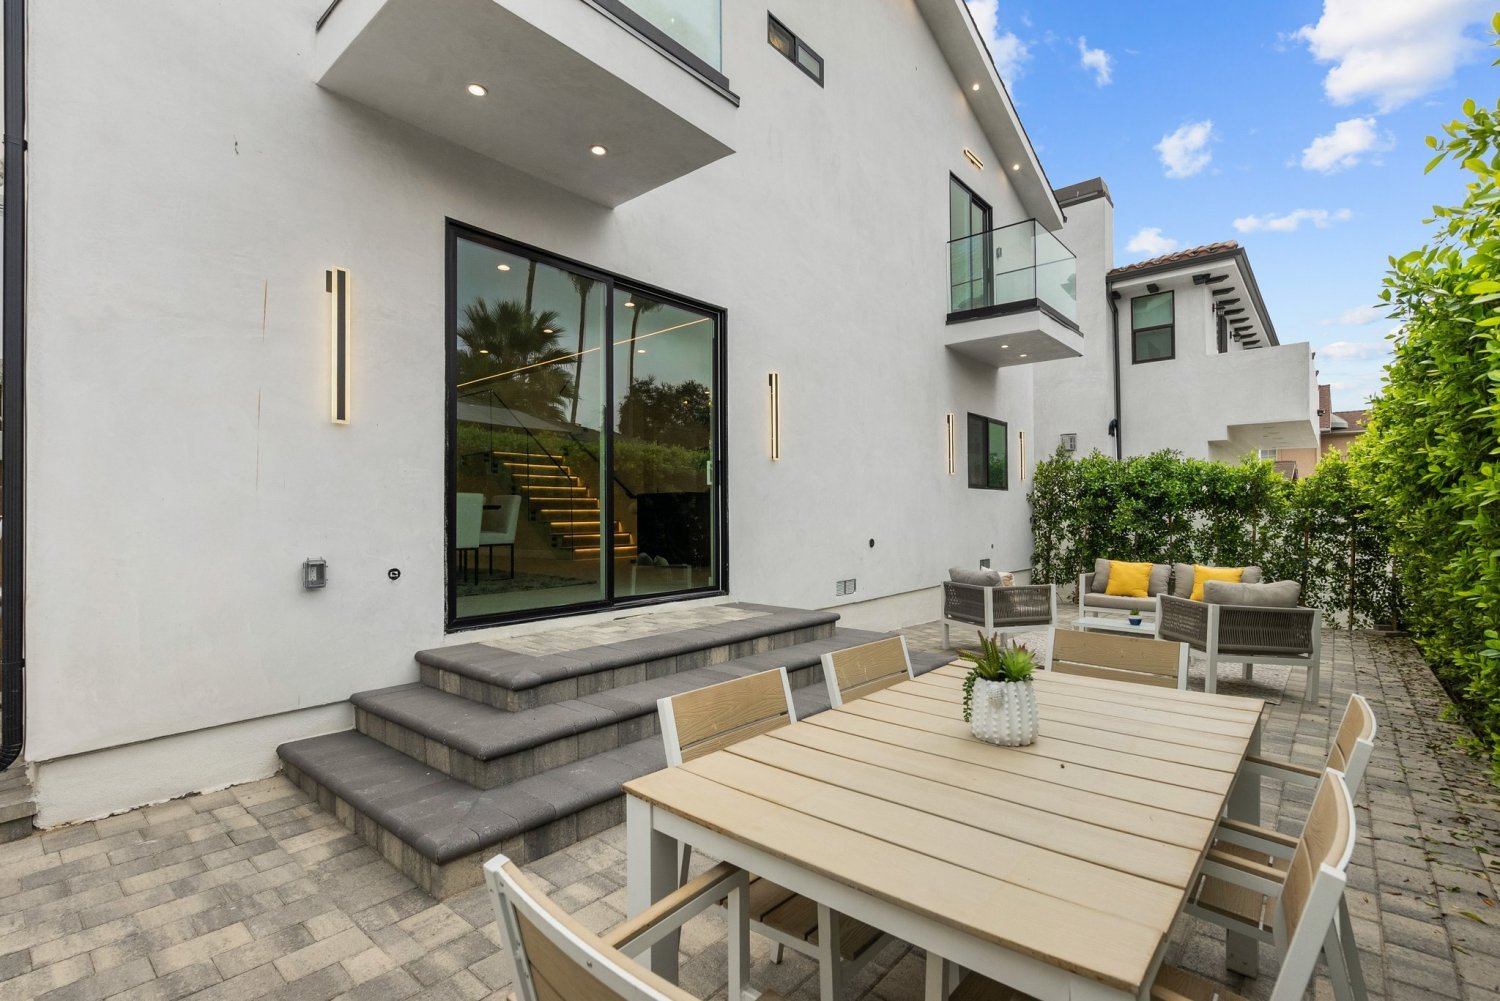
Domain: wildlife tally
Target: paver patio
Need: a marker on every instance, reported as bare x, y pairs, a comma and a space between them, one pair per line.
256, 892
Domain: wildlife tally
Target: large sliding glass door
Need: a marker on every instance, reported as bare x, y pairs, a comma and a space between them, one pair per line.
578, 476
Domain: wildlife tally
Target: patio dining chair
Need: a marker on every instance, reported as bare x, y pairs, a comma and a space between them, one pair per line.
1305, 917
857, 671
709, 719
1133, 659
554, 958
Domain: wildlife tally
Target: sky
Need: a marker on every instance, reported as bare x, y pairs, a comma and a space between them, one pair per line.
1296, 127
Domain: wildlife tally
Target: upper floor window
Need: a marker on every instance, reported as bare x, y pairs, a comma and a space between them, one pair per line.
788, 44
989, 452
1151, 328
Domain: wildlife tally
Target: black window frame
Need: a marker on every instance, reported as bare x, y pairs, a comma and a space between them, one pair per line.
1170, 327
986, 427
798, 48
454, 231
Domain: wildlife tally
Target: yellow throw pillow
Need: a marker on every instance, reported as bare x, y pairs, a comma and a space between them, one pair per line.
1129, 580
1202, 574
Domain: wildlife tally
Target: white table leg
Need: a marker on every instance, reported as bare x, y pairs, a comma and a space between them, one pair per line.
830, 961
1242, 952
651, 873
739, 942
938, 977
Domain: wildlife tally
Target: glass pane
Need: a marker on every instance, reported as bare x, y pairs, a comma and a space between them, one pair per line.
666, 531
810, 61
1151, 345
527, 450
1151, 310
998, 448
696, 25
1056, 274
978, 461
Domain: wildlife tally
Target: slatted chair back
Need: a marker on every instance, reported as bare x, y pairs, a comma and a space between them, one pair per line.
1354, 742
1113, 657
1308, 906
555, 958
857, 671
707, 719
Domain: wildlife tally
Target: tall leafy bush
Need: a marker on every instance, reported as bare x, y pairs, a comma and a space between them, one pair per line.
1430, 455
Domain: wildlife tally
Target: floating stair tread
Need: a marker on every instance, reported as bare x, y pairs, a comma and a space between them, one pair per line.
486, 733
448, 819
518, 672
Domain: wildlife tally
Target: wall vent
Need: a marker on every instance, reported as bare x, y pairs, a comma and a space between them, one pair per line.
984, 564
843, 587
1070, 442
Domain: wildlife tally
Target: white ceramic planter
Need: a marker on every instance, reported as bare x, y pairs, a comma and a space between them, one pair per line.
1004, 713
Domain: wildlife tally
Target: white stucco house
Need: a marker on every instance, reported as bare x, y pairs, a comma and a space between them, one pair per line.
1183, 353
388, 326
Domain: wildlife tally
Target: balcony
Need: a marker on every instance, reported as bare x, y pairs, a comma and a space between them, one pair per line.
1013, 296
638, 79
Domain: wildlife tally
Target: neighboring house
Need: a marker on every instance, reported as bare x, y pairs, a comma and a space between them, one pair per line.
1181, 353
680, 276
1337, 430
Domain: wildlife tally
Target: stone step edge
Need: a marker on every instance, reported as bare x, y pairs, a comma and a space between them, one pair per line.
520, 671
587, 712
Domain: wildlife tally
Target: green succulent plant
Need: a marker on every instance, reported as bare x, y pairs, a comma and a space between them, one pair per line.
996, 660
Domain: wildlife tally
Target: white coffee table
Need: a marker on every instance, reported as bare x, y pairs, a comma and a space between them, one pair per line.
1116, 624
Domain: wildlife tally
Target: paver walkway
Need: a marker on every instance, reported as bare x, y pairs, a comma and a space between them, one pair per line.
256, 892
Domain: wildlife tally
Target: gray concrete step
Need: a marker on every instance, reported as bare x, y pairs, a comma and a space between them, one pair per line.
488, 747
17, 803
512, 679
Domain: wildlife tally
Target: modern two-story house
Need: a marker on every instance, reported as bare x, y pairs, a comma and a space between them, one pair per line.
362, 329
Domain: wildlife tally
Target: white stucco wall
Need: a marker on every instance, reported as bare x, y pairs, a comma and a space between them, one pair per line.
189, 185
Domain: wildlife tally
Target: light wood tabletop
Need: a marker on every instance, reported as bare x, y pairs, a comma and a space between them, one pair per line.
1057, 868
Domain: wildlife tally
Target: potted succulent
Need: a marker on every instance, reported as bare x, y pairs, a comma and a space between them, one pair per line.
999, 703
1135, 616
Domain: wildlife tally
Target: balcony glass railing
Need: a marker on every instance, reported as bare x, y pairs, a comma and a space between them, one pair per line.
1014, 263
696, 25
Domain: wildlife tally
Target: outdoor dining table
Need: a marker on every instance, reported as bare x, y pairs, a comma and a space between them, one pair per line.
1056, 868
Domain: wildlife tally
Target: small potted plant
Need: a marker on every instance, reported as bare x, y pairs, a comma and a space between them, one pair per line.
999, 703
1135, 616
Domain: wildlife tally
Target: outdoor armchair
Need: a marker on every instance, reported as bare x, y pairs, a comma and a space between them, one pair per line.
1249, 634
998, 609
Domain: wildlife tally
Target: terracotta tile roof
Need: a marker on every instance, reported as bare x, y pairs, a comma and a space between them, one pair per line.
1325, 406
1356, 419
1179, 256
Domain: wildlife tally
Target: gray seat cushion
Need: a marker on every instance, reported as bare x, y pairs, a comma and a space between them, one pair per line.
1101, 576
1281, 594
979, 578
1115, 601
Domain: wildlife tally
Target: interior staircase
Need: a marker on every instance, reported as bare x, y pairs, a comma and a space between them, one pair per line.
521, 745
563, 503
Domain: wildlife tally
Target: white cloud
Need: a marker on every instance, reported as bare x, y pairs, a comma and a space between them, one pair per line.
1009, 52
1358, 316
1391, 51
1185, 152
1150, 242
1354, 350
1321, 218
1096, 61
1344, 147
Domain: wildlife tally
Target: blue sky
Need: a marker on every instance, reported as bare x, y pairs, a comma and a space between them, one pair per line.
1296, 127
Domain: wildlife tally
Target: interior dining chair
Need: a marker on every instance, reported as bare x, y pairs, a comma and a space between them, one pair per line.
553, 958
507, 516
468, 519
1306, 921
709, 719
857, 671
1135, 659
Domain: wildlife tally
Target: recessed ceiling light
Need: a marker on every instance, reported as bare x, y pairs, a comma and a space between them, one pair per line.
1005, 347
975, 87
629, 304
640, 351
1015, 166
478, 89
597, 150
484, 351
1023, 354
502, 267
546, 330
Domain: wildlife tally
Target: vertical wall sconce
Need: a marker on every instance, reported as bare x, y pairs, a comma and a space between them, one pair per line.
775, 386
1021, 447
337, 280
952, 425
